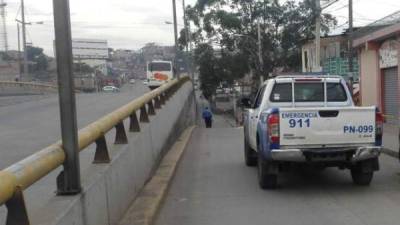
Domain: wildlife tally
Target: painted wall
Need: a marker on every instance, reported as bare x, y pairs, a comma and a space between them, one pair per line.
369, 77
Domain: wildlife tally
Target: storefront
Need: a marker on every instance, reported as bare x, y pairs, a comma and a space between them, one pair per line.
388, 65
379, 74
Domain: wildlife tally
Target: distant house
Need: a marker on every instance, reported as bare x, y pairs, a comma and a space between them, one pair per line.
333, 58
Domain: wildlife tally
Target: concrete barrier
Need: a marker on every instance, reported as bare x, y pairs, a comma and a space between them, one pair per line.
109, 189
11, 88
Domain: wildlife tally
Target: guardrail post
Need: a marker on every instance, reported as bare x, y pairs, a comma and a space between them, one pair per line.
16, 209
134, 125
167, 94
120, 136
152, 112
162, 98
101, 155
157, 103
69, 181
144, 117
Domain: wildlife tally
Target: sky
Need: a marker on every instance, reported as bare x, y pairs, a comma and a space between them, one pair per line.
129, 24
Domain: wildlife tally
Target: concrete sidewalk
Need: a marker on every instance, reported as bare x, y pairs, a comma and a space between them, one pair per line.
213, 186
391, 139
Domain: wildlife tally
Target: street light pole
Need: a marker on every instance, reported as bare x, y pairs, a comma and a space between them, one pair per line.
318, 37
185, 25
19, 53
26, 72
351, 37
69, 181
176, 38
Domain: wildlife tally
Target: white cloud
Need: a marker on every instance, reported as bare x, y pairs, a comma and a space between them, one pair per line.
132, 23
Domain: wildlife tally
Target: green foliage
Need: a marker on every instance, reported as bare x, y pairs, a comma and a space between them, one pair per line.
39, 59
83, 68
232, 26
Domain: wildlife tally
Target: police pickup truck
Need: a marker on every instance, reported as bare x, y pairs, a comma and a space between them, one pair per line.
297, 121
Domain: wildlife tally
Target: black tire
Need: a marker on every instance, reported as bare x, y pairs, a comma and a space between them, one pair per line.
266, 180
360, 177
250, 156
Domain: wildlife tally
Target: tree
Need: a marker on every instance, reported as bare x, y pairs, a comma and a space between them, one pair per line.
39, 59
82, 68
232, 26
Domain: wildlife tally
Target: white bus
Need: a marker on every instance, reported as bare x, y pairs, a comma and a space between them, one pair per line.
159, 72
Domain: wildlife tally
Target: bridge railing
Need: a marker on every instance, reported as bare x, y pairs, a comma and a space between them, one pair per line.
23, 174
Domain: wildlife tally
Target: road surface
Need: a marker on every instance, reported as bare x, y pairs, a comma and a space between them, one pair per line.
213, 186
32, 125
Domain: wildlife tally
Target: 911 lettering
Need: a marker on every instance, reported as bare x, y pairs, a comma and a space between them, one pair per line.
358, 129
299, 123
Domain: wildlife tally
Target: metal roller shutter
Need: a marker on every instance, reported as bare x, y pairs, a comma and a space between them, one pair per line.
391, 103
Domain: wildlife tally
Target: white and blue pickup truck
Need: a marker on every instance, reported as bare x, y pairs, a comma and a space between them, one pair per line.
310, 121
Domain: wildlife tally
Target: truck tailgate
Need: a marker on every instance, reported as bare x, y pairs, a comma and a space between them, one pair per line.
324, 127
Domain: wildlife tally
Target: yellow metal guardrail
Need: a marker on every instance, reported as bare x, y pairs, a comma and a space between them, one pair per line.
21, 175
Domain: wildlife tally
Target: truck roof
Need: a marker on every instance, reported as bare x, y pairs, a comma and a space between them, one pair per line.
290, 78
308, 76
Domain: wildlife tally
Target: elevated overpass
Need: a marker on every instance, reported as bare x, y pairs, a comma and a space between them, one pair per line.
211, 185
141, 132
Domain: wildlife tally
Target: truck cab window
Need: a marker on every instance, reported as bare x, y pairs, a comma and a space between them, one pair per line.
309, 92
282, 92
336, 92
259, 97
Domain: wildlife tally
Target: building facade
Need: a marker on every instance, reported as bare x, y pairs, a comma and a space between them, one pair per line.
333, 58
93, 52
378, 54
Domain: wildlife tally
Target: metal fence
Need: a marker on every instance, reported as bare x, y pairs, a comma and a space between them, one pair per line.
23, 174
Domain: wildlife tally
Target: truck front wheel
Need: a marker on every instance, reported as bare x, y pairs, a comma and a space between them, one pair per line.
361, 177
267, 179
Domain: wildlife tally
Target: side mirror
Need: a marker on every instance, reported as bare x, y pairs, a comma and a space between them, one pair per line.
246, 102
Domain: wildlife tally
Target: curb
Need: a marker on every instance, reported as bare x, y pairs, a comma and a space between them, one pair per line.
144, 209
390, 152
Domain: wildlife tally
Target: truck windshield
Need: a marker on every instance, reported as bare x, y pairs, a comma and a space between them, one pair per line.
308, 92
159, 66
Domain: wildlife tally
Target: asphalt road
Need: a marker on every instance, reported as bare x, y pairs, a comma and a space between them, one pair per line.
30, 125
34, 123
213, 186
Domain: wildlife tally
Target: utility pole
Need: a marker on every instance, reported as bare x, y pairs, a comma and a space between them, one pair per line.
69, 181
185, 25
176, 39
26, 72
350, 38
3, 16
318, 37
260, 58
19, 53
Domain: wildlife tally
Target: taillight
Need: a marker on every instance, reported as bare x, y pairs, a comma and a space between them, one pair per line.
379, 119
273, 128
379, 123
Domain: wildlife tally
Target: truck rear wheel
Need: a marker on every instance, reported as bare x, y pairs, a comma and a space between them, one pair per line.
361, 177
266, 179
250, 156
